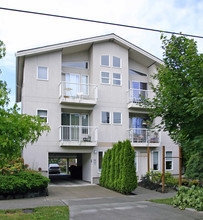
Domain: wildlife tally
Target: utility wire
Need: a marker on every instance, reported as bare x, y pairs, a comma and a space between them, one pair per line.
100, 22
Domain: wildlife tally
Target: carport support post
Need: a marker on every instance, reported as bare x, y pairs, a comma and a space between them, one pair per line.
163, 169
180, 166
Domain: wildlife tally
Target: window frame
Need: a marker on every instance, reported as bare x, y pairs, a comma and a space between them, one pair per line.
37, 111
67, 62
136, 160
98, 163
169, 160
109, 118
158, 165
117, 79
120, 118
105, 78
113, 62
38, 73
103, 64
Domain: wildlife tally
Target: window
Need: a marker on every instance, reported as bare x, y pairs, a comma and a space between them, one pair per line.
42, 73
117, 117
116, 62
136, 159
42, 114
138, 91
117, 79
100, 155
80, 65
155, 160
105, 117
85, 123
105, 78
169, 162
105, 60
136, 73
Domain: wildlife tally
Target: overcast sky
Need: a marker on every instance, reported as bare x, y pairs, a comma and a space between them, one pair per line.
23, 31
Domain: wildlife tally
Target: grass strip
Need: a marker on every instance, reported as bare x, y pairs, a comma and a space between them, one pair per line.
52, 212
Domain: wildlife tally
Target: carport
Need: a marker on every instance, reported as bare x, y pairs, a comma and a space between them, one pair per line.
74, 166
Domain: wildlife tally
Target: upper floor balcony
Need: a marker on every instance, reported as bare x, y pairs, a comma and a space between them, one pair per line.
78, 93
78, 135
135, 97
144, 137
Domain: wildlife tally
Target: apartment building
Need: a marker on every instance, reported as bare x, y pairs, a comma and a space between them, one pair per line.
89, 92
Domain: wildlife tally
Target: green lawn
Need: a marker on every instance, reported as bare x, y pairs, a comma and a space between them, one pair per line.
167, 201
53, 212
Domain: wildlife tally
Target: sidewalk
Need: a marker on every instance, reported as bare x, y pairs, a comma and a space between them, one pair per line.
66, 195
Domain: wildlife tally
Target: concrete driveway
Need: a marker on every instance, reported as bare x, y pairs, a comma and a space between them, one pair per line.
95, 202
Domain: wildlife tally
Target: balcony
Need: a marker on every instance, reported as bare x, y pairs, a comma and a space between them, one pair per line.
142, 137
136, 95
78, 93
78, 135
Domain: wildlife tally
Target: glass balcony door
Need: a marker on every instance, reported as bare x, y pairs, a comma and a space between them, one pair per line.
138, 90
72, 84
74, 126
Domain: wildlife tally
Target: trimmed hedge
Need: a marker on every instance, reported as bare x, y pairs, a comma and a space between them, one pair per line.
118, 168
22, 183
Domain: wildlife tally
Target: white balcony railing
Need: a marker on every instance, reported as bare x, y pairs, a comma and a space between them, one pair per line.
144, 136
74, 92
78, 134
136, 95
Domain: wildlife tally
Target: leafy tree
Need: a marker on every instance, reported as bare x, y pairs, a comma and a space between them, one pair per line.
179, 93
16, 130
194, 167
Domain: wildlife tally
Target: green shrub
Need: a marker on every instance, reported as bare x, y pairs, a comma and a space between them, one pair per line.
194, 168
156, 178
23, 182
118, 169
189, 197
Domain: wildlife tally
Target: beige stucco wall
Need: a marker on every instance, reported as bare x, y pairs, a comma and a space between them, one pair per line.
39, 94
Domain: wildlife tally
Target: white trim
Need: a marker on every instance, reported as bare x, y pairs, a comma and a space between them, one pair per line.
75, 62
40, 109
152, 154
120, 63
47, 73
117, 79
169, 160
109, 118
99, 170
105, 78
113, 118
136, 158
101, 60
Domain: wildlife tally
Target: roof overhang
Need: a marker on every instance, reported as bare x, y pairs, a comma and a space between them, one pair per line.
135, 52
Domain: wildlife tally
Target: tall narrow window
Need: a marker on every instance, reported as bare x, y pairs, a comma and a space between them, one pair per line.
116, 62
169, 162
105, 118
42, 73
85, 124
136, 167
105, 78
117, 79
84, 81
155, 160
100, 160
105, 60
42, 114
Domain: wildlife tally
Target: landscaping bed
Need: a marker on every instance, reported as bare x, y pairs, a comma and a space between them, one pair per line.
25, 184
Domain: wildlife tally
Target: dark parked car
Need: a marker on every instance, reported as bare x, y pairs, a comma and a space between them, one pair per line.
54, 168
